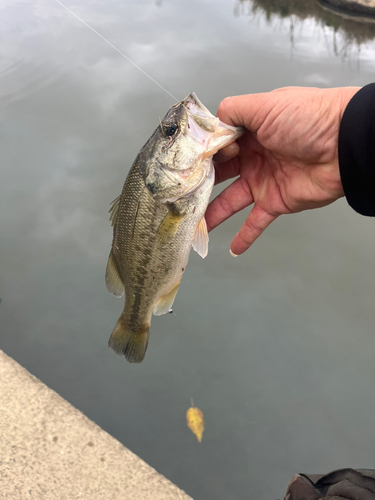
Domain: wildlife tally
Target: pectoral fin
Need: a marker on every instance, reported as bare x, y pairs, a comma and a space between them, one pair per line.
165, 303
112, 277
200, 242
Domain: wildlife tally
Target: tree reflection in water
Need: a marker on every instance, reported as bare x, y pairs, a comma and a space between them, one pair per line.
349, 31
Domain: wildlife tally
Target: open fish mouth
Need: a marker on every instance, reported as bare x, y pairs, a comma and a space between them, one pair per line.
206, 128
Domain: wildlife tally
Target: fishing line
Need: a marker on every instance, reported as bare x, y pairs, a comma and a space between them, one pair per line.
119, 51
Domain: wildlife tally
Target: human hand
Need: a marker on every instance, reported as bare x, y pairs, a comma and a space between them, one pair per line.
287, 161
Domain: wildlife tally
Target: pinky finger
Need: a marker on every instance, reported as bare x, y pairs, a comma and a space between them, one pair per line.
256, 222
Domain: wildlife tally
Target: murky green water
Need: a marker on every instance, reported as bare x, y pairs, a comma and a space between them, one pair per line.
276, 347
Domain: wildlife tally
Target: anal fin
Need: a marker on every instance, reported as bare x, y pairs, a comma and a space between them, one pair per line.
112, 277
200, 241
165, 303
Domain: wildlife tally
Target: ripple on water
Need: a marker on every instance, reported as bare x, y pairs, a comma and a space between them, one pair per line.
29, 61
20, 78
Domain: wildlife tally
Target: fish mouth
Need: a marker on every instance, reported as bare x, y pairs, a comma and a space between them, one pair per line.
193, 104
198, 113
206, 128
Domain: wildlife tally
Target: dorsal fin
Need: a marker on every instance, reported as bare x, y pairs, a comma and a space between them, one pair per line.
113, 211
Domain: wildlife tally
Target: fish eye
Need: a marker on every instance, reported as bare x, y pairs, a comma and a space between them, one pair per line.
171, 130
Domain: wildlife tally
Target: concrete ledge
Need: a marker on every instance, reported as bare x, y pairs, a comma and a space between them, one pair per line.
50, 450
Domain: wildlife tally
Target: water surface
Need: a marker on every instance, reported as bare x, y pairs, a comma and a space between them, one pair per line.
276, 347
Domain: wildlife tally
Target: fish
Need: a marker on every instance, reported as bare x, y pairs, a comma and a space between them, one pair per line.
159, 217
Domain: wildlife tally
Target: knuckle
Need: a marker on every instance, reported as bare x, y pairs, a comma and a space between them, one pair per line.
253, 227
225, 205
246, 187
244, 239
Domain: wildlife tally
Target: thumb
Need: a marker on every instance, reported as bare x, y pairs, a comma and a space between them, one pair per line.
247, 111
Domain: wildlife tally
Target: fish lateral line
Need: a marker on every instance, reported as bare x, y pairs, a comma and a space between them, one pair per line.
135, 218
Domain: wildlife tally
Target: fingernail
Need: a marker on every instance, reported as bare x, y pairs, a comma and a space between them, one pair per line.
232, 254
235, 148
233, 151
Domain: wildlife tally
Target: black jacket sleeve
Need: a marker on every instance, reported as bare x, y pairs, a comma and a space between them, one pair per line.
357, 151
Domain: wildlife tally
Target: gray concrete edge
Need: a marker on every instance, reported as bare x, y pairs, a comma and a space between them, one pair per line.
50, 450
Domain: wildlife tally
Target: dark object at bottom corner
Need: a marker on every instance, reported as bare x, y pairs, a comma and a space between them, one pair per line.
341, 484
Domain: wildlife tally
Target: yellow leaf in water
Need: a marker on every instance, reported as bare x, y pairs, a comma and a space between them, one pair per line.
195, 421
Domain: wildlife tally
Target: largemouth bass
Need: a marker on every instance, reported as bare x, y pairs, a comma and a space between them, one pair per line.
159, 217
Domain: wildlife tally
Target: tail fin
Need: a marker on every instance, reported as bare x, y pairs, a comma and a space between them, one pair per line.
131, 343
